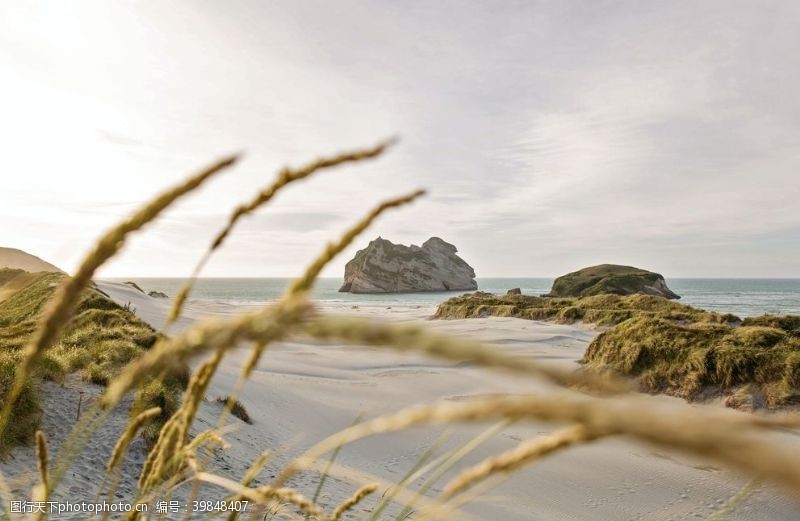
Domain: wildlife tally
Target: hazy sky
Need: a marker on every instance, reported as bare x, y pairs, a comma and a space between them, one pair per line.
551, 135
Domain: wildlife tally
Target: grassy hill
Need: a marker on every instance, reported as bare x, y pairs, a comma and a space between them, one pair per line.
99, 341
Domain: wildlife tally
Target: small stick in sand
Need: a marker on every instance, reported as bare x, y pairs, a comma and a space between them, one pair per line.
80, 401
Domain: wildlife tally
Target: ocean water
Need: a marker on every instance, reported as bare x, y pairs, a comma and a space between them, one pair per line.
743, 297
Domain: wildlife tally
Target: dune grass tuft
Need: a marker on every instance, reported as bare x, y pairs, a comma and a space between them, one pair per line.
101, 339
694, 358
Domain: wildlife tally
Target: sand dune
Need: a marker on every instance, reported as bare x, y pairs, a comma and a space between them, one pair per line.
20, 260
313, 396
302, 392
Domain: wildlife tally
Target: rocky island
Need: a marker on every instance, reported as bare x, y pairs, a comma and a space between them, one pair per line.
611, 279
385, 267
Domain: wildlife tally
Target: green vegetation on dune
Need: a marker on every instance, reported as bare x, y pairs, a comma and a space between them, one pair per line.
9, 274
603, 310
99, 341
669, 347
789, 323
688, 359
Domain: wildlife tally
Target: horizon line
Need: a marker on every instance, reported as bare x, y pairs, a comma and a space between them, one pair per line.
506, 277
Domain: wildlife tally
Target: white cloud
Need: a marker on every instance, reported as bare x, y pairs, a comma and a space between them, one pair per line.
550, 135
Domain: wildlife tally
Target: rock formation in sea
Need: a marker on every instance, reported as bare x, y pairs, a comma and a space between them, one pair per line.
611, 278
157, 294
384, 267
133, 285
514, 291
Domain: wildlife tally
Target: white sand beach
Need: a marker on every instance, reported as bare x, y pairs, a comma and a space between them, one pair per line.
303, 392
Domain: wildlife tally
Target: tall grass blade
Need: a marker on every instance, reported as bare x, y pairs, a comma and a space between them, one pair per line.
413, 473
331, 461
284, 178
453, 458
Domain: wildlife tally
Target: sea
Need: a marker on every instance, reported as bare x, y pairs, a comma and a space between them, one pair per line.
742, 297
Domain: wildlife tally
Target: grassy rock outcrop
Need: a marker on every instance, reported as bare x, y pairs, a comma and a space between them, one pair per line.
603, 310
611, 279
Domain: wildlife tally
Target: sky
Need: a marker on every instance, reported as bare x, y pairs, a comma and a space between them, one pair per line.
550, 135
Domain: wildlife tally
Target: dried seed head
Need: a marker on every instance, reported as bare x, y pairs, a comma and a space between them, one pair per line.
42, 458
285, 177
523, 454
353, 500
405, 337
266, 325
127, 436
729, 439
